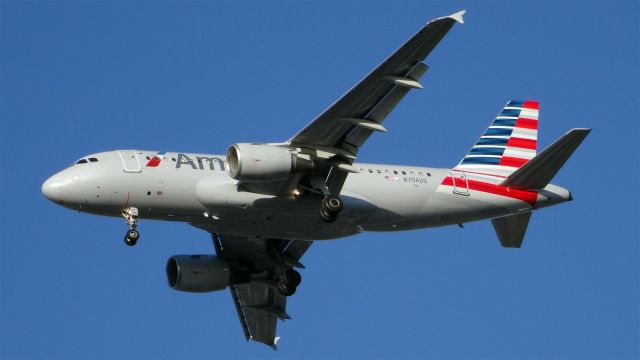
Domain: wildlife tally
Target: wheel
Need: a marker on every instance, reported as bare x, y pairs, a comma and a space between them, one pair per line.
327, 216
332, 204
293, 277
129, 241
285, 288
133, 234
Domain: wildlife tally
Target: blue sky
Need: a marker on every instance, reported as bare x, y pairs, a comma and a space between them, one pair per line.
78, 77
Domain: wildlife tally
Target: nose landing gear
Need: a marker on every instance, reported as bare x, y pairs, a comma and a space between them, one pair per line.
131, 217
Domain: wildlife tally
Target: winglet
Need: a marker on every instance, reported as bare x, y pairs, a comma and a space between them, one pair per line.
274, 346
458, 16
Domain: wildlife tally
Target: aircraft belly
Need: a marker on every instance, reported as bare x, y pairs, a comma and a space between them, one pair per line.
398, 199
245, 213
449, 208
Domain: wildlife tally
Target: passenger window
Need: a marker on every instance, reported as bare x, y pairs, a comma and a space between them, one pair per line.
412, 173
404, 172
82, 161
395, 172
370, 171
387, 172
379, 171
428, 174
420, 173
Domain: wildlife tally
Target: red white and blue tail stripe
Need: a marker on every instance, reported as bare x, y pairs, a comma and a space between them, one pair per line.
508, 143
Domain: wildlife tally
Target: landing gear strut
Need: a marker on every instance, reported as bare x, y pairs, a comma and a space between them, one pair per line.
331, 207
131, 217
331, 204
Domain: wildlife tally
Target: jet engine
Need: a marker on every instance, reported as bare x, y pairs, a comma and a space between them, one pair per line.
202, 273
263, 162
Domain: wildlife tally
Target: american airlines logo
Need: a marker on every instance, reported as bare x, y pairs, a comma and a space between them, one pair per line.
183, 160
155, 160
200, 162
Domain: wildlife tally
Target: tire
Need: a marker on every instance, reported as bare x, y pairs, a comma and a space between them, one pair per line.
293, 277
129, 241
133, 234
327, 217
285, 288
332, 204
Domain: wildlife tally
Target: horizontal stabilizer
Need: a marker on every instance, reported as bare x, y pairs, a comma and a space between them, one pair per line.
510, 229
539, 171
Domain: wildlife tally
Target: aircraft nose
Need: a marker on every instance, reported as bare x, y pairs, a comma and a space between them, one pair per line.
52, 188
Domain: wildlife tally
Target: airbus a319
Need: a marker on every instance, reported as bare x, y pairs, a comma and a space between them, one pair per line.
265, 203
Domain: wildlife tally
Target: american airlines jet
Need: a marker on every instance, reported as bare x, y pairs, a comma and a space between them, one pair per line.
265, 203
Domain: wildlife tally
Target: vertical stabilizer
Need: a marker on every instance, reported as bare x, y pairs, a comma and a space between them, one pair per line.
508, 143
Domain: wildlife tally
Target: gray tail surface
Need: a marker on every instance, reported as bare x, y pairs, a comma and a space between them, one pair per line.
510, 229
535, 174
538, 172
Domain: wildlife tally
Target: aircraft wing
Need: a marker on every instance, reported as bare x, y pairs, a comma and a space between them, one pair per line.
259, 306
258, 303
341, 129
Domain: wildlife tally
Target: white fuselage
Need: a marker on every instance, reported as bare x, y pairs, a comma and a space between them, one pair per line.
195, 188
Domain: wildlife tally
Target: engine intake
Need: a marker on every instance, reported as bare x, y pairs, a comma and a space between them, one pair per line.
262, 162
202, 273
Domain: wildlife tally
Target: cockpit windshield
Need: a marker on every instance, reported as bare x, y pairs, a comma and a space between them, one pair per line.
84, 161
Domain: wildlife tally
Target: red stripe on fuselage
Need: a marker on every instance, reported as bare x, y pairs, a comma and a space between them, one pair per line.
522, 143
527, 196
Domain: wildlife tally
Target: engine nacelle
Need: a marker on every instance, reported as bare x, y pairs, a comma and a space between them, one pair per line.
262, 162
202, 273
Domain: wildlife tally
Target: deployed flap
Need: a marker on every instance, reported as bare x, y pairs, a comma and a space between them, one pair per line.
539, 171
259, 307
511, 229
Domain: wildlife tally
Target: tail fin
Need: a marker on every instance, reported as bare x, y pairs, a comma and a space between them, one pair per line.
508, 143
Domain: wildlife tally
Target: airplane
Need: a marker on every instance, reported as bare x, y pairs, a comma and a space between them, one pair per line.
265, 203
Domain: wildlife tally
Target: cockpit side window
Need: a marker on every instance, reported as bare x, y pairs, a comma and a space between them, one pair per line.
93, 160
81, 161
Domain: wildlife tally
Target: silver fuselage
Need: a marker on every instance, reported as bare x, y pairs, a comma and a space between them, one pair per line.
195, 188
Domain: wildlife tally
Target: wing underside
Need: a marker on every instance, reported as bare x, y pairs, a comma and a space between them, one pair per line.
258, 302
345, 126
332, 140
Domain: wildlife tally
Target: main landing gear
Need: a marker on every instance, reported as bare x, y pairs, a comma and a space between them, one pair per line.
285, 276
289, 282
330, 208
331, 204
131, 217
